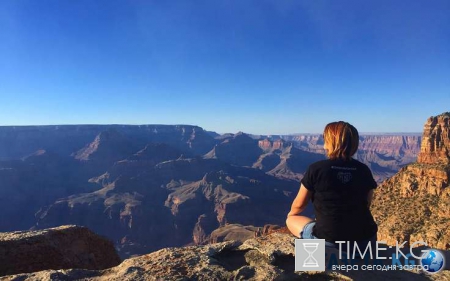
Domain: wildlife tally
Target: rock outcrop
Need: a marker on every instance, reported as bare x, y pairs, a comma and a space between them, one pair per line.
414, 204
267, 144
269, 257
238, 232
436, 140
55, 248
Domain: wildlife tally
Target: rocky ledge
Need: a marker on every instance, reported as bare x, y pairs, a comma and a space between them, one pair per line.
55, 248
268, 257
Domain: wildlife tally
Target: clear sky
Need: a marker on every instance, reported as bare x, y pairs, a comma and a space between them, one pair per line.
262, 67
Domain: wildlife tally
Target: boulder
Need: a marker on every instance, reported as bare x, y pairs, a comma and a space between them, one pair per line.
62, 247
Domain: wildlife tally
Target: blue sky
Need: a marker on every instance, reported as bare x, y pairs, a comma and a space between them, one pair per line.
262, 67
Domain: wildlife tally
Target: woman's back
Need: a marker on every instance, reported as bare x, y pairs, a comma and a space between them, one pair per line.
340, 190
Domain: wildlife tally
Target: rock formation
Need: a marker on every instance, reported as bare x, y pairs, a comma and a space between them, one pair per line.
56, 248
241, 233
239, 149
436, 140
267, 144
415, 203
235, 232
108, 146
173, 203
269, 257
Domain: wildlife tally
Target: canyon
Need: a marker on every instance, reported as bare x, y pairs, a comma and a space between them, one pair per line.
153, 186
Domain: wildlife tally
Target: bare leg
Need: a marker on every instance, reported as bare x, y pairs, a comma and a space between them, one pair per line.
296, 223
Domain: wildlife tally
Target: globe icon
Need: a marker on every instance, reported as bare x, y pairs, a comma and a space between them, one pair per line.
434, 260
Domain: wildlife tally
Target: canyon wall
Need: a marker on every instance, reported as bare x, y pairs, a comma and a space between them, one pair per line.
414, 204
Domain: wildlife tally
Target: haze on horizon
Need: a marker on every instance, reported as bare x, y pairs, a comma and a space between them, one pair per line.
261, 67
58, 126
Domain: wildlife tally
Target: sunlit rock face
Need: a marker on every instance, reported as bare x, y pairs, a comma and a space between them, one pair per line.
414, 204
436, 140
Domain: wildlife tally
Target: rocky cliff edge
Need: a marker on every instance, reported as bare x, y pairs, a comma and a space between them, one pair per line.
268, 257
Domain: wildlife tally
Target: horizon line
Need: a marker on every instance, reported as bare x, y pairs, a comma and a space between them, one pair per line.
149, 124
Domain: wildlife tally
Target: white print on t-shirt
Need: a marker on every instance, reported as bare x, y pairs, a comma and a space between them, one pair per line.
344, 177
343, 168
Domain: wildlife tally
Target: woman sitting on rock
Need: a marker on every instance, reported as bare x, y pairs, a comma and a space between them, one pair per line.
341, 190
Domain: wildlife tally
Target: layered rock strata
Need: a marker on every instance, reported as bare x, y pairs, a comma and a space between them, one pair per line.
435, 146
414, 204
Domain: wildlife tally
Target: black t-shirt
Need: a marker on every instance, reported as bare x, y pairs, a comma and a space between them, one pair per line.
340, 189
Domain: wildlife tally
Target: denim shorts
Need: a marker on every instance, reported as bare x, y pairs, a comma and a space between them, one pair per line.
307, 233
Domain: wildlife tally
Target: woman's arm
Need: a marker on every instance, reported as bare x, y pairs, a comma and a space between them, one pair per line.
300, 202
294, 221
